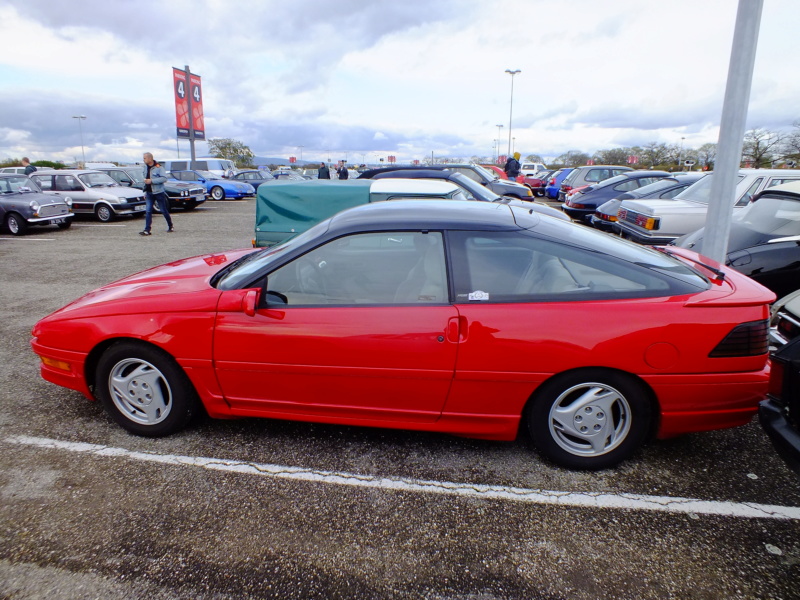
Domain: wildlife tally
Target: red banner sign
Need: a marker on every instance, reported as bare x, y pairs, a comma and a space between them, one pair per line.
292, 159
183, 90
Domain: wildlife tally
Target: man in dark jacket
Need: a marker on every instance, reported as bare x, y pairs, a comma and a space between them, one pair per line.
342, 171
512, 167
29, 168
323, 172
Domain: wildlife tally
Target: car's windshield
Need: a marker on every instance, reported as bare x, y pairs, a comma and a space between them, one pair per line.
208, 175
701, 191
10, 185
240, 273
610, 181
135, 175
477, 191
774, 215
97, 180
655, 187
485, 172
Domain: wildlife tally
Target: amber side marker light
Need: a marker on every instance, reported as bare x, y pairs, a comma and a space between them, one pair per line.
56, 364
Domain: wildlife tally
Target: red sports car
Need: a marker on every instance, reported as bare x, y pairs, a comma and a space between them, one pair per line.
461, 317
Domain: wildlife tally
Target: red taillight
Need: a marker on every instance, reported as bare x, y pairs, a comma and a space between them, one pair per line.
553, 181
747, 339
605, 217
566, 188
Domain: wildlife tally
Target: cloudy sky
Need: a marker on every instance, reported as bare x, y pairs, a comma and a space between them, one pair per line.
363, 79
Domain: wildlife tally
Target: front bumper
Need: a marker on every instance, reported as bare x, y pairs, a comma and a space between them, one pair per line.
55, 219
579, 214
128, 208
784, 436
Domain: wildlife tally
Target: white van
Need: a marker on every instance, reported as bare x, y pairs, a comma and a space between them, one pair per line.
218, 166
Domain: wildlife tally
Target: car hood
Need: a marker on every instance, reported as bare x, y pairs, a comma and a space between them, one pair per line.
180, 286
119, 192
27, 197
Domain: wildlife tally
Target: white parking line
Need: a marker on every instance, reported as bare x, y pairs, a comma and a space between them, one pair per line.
471, 490
27, 239
99, 225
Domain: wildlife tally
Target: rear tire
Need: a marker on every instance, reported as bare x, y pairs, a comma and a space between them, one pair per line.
144, 390
590, 419
217, 193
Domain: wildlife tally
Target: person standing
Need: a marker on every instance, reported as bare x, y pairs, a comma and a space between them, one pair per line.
323, 172
342, 171
29, 168
154, 177
512, 167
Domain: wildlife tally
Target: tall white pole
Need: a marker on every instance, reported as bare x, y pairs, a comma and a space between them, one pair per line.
511, 106
731, 131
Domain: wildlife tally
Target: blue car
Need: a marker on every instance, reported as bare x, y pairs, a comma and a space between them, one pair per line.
216, 187
554, 183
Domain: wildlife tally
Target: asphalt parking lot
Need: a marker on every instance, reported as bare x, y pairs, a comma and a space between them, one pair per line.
271, 509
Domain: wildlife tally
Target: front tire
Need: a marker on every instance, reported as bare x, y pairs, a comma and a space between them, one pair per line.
104, 213
217, 193
590, 419
16, 224
144, 390
65, 225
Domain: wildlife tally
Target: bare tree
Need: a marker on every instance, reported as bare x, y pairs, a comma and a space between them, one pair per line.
791, 145
707, 155
613, 156
761, 147
655, 153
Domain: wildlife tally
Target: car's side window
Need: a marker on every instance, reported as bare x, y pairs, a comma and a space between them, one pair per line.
46, 183
502, 267
388, 268
751, 191
627, 186
67, 183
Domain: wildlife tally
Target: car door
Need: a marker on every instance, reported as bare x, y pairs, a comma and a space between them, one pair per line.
357, 328
66, 185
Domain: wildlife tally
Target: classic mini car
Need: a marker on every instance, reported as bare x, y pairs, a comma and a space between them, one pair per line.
662, 221
580, 205
23, 205
254, 177
779, 414
286, 209
764, 240
92, 193
187, 196
216, 187
606, 214
453, 317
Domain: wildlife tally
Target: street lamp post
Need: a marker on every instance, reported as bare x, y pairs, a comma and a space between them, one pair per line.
80, 128
680, 154
511, 106
301, 152
499, 135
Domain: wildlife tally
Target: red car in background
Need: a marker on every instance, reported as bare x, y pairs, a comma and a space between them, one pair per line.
537, 183
467, 318
497, 170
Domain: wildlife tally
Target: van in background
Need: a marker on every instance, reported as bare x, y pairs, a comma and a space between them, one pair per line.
219, 166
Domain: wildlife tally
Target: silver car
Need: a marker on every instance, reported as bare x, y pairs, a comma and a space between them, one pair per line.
92, 192
22, 205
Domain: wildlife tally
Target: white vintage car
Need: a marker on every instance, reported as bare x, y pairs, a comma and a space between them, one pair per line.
661, 221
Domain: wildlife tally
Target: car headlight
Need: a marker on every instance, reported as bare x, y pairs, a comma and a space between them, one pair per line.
34, 205
68, 201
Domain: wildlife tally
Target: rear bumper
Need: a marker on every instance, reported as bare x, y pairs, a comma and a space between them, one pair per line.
601, 224
784, 436
643, 238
